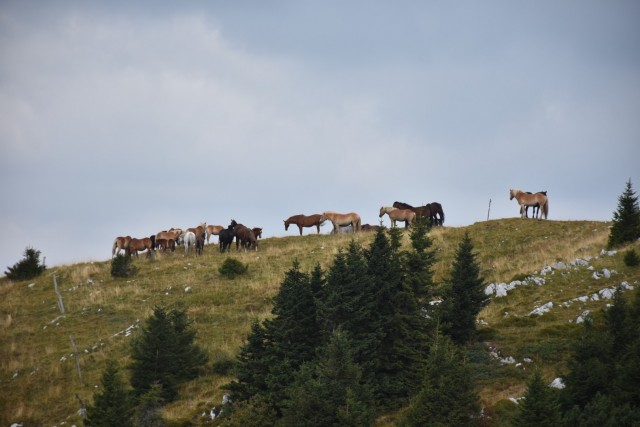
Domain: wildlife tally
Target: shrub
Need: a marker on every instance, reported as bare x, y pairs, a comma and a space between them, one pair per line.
232, 268
27, 268
631, 258
121, 266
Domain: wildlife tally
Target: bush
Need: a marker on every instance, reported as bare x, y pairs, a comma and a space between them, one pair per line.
232, 268
27, 268
121, 266
631, 258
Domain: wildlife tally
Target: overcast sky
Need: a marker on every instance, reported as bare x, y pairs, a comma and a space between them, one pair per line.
121, 119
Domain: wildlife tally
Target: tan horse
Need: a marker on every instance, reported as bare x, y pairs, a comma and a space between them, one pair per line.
120, 244
136, 245
395, 214
173, 234
199, 230
527, 199
213, 230
342, 220
304, 221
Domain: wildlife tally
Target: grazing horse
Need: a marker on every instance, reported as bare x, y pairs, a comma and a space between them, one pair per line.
164, 236
421, 211
342, 220
225, 237
395, 214
120, 244
189, 241
136, 245
304, 221
213, 230
245, 237
257, 231
199, 245
526, 199
369, 227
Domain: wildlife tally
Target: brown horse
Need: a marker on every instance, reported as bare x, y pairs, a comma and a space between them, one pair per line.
437, 214
120, 244
304, 221
213, 230
245, 237
395, 214
164, 244
136, 245
536, 207
342, 220
526, 199
257, 231
421, 211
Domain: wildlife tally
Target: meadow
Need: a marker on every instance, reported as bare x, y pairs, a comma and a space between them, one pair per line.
43, 379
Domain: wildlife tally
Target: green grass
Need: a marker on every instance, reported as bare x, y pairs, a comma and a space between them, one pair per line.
37, 369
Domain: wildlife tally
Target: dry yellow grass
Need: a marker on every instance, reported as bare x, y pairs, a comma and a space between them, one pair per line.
37, 368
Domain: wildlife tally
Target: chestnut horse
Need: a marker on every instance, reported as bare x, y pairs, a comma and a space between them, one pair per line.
245, 237
433, 211
342, 220
199, 230
213, 230
165, 236
526, 199
304, 221
257, 231
136, 245
120, 244
395, 214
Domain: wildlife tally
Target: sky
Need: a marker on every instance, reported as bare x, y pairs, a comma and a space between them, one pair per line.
127, 119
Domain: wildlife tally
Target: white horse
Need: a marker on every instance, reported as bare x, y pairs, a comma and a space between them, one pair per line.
189, 241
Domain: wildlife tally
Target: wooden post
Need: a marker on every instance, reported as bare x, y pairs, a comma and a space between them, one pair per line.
55, 286
75, 354
489, 210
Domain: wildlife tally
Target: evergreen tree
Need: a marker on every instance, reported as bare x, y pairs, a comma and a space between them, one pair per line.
112, 404
329, 392
626, 219
147, 413
27, 268
419, 262
464, 297
447, 397
165, 353
539, 407
253, 366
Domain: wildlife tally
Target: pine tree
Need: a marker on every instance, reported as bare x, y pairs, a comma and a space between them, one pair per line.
626, 219
112, 404
419, 262
539, 407
147, 413
27, 268
329, 391
464, 297
165, 353
447, 397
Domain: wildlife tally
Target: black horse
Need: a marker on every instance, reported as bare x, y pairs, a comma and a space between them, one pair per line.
226, 236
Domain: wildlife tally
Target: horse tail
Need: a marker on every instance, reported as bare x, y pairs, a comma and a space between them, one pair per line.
358, 224
441, 215
113, 249
545, 208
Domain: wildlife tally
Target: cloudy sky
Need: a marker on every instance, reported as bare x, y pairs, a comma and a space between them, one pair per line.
123, 119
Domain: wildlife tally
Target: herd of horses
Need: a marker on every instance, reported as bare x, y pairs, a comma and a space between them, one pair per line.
194, 238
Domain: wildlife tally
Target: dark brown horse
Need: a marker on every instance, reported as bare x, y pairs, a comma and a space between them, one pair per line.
304, 221
433, 211
225, 237
257, 231
245, 237
437, 214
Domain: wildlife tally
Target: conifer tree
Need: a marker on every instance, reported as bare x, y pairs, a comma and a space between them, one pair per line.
464, 297
112, 404
165, 353
626, 219
419, 262
329, 391
540, 407
447, 397
28, 267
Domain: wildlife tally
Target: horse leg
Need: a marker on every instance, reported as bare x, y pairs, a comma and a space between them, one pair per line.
300, 229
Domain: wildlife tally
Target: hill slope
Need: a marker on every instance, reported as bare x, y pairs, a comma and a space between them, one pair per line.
38, 369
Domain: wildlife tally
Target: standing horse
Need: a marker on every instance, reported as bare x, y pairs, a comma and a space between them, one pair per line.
165, 236
536, 207
342, 220
245, 237
136, 245
225, 237
304, 221
213, 230
189, 241
200, 230
395, 214
421, 211
437, 214
120, 244
526, 199
257, 231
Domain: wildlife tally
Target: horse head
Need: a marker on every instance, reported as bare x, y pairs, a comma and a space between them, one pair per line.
286, 224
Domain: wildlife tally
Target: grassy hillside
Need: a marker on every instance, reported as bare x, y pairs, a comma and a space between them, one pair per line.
38, 369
